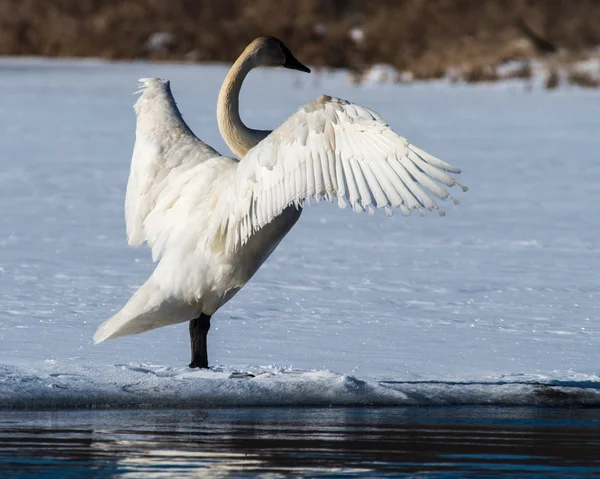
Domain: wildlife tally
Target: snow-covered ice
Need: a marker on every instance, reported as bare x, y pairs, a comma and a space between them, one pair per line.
497, 302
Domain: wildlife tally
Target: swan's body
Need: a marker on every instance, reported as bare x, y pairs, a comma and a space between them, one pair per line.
212, 221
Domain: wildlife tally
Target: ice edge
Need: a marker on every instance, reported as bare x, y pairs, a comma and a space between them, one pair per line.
141, 386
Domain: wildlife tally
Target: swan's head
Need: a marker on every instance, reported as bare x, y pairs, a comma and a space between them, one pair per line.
270, 51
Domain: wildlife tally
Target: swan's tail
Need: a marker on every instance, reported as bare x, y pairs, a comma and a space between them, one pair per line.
148, 308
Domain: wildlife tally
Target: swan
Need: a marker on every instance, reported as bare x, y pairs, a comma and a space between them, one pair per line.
211, 221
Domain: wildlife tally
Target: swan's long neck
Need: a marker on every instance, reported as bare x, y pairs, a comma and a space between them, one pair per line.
238, 136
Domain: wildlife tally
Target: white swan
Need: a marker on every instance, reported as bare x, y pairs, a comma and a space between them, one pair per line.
212, 221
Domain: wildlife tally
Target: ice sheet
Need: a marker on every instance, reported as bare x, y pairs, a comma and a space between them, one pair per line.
505, 285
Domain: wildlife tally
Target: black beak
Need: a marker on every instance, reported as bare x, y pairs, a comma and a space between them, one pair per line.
292, 63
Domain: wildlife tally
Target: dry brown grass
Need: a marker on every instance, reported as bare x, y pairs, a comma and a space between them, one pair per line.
425, 37
524, 72
584, 79
481, 73
553, 80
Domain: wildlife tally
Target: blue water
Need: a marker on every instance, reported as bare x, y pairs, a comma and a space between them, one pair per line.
453, 442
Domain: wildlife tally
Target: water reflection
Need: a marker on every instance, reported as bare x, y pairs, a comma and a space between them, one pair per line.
460, 442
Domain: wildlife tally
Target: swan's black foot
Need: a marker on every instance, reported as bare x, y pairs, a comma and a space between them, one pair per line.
198, 332
194, 364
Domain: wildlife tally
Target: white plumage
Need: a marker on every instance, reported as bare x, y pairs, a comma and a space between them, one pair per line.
211, 221
331, 148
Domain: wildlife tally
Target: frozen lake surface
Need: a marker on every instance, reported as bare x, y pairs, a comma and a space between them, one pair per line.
496, 303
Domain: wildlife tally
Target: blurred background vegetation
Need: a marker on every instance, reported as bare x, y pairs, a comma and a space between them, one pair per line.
427, 38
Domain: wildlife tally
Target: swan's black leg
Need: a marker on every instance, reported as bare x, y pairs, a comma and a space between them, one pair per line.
198, 331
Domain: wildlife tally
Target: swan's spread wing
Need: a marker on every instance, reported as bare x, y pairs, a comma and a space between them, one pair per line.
333, 148
165, 151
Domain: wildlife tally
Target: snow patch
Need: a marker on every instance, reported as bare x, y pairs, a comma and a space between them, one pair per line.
62, 386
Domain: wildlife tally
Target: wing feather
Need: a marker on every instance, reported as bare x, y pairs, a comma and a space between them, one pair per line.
333, 148
436, 174
353, 195
410, 200
426, 181
167, 159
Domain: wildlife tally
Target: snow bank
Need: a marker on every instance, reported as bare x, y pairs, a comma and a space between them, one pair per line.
60, 386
